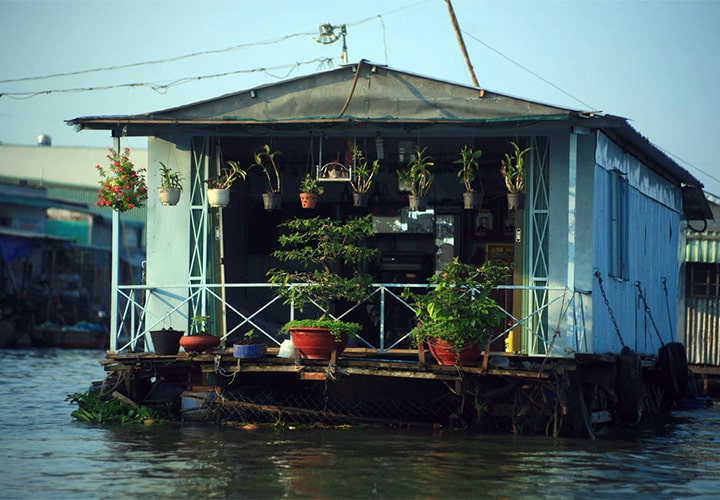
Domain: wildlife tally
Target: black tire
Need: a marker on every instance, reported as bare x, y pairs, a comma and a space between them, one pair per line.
672, 366
629, 387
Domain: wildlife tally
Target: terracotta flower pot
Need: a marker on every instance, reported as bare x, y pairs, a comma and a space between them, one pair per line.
317, 343
445, 354
309, 200
199, 343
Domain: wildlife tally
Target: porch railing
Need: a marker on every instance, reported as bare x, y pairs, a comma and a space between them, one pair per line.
389, 317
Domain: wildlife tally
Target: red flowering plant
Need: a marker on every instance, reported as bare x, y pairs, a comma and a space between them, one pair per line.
122, 187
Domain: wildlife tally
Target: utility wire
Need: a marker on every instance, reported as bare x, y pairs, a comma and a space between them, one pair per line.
163, 87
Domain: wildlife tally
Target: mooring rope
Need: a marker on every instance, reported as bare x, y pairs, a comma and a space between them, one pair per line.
607, 304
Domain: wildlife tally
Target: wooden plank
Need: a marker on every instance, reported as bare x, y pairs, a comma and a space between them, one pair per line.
313, 376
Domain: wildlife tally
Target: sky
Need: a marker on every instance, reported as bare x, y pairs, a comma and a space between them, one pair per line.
651, 61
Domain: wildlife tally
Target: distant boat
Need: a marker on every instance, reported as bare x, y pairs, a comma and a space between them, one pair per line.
83, 335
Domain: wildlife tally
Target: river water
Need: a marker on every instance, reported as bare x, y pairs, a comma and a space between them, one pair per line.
45, 454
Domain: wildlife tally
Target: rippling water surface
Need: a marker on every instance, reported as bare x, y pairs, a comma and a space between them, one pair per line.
46, 454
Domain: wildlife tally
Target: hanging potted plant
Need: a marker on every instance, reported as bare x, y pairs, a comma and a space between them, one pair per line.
362, 178
469, 167
199, 340
266, 160
418, 177
513, 172
315, 246
310, 191
218, 191
123, 187
170, 186
456, 314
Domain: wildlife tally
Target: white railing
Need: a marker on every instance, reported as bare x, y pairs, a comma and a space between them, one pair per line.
390, 317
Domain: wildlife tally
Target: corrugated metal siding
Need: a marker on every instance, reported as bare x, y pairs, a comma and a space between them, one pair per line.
702, 332
704, 248
653, 243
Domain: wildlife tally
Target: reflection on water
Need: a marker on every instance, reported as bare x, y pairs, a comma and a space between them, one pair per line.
46, 454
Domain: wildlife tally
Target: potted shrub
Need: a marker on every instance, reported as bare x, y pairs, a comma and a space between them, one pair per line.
467, 172
250, 347
363, 177
418, 177
513, 172
315, 247
170, 186
456, 314
265, 158
310, 191
199, 339
219, 186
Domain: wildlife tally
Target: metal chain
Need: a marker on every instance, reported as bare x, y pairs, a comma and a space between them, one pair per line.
667, 304
607, 304
648, 313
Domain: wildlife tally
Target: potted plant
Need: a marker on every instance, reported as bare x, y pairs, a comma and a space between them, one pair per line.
310, 191
166, 342
219, 186
123, 187
315, 247
469, 167
456, 314
170, 186
199, 339
418, 177
363, 177
265, 158
513, 172
250, 347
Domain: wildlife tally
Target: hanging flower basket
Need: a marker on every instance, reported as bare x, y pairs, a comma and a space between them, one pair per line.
123, 187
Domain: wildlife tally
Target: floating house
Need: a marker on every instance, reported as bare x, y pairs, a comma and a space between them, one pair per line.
596, 251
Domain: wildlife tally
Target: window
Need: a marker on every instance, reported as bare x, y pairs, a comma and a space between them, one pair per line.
703, 280
618, 239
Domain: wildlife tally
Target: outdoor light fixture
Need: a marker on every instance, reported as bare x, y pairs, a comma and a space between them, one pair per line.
380, 147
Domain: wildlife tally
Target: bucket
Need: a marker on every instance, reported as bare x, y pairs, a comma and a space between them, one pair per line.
197, 406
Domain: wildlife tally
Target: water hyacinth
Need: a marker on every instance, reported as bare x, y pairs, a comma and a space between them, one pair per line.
123, 187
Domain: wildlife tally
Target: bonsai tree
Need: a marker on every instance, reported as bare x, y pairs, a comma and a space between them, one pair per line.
317, 245
265, 158
513, 169
457, 308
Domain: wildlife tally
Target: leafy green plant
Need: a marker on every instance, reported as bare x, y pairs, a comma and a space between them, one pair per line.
458, 308
513, 168
316, 246
310, 184
103, 408
169, 177
363, 174
265, 158
418, 174
469, 167
227, 176
199, 324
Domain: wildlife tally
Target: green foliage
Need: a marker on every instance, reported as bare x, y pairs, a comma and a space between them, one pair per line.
199, 323
363, 175
513, 169
227, 176
337, 328
266, 160
317, 245
310, 184
418, 173
102, 408
469, 166
169, 178
458, 308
